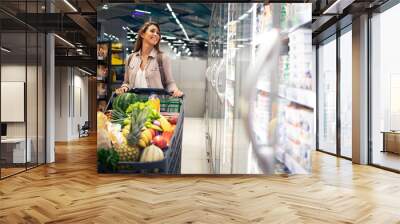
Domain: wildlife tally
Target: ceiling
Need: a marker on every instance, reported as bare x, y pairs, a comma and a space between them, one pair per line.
78, 24
194, 17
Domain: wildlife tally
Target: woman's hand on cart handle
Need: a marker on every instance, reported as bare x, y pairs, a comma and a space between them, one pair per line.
121, 90
177, 93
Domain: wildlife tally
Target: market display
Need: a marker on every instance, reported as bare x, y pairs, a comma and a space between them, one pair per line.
134, 132
260, 72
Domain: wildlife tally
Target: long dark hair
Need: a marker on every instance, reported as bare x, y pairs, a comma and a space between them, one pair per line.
142, 30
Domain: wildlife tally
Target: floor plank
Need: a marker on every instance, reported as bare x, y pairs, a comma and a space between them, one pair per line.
71, 191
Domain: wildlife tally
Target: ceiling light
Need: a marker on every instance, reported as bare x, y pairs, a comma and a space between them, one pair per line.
187, 50
84, 71
177, 21
5, 49
190, 53
105, 7
142, 11
169, 37
70, 5
337, 7
169, 7
65, 41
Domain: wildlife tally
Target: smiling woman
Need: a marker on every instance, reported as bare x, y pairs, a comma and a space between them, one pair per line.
147, 66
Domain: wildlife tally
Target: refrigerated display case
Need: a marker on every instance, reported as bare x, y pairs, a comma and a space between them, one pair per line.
260, 91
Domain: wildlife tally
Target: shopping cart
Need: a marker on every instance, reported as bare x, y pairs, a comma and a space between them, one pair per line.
171, 164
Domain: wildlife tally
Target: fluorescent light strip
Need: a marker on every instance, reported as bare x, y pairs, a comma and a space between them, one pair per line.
331, 7
86, 72
64, 40
5, 50
146, 12
169, 7
177, 21
70, 5
173, 14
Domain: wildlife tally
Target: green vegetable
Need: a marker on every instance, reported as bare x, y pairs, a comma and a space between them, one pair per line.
107, 160
119, 117
122, 102
151, 114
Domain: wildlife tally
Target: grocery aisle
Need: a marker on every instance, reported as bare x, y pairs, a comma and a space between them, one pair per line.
194, 157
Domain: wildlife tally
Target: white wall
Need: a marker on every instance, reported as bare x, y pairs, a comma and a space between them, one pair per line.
71, 94
34, 124
189, 74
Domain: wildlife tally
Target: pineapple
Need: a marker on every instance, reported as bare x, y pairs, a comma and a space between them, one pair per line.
138, 118
128, 153
129, 149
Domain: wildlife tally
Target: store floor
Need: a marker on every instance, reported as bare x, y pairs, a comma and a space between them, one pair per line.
194, 156
71, 191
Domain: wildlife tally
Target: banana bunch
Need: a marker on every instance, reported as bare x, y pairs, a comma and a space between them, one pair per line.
145, 138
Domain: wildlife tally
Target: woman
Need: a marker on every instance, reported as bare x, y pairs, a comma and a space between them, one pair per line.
147, 66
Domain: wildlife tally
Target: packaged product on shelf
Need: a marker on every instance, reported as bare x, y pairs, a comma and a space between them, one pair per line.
101, 90
116, 46
102, 71
116, 59
102, 51
101, 105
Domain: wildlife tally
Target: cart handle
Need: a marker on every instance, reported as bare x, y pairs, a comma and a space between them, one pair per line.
151, 91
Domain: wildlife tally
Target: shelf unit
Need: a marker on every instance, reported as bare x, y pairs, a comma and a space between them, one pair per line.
103, 68
112, 77
290, 122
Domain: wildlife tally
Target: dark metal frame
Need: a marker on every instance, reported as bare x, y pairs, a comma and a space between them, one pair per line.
387, 5
339, 32
37, 97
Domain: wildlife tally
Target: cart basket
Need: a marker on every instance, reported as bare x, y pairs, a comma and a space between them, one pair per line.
171, 164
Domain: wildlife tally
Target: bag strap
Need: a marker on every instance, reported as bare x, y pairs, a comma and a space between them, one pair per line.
161, 68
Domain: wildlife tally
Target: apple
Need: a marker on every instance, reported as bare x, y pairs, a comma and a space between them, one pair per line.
160, 141
167, 136
173, 119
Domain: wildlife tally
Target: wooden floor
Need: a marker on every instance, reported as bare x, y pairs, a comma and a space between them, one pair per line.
71, 191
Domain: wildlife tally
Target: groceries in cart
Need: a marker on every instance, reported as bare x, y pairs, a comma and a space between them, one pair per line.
137, 130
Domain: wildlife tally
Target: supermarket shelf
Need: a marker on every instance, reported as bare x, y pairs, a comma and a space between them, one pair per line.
300, 96
101, 78
289, 162
299, 26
